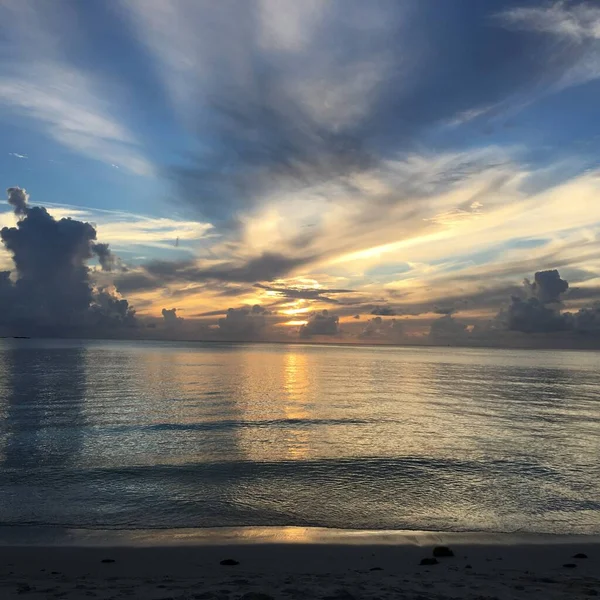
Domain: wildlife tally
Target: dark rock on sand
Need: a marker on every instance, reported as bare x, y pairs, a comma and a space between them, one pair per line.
442, 552
375, 569
229, 562
108, 560
580, 555
428, 561
468, 567
570, 566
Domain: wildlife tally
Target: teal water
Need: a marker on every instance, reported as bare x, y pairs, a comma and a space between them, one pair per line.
141, 435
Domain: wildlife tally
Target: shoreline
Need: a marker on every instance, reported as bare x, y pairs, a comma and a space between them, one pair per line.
57, 536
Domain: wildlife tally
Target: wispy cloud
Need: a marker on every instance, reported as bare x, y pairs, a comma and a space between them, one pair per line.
17, 155
572, 21
574, 25
127, 232
38, 82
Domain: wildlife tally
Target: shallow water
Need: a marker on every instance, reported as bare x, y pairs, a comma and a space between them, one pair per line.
168, 435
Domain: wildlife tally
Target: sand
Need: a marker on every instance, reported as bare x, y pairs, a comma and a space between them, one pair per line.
326, 566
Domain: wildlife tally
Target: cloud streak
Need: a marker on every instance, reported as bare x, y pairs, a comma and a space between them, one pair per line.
41, 85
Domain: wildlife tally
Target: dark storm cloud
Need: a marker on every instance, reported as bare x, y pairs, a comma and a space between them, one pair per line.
384, 311
321, 294
266, 267
532, 316
108, 261
583, 293
388, 330
242, 323
17, 198
391, 69
157, 274
136, 282
52, 287
447, 328
212, 313
547, 286
170, 317
539, 310
586, 320
321, 323
108, 310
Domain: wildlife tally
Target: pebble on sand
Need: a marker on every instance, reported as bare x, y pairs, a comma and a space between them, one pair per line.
428, 561
580, 555
229, 562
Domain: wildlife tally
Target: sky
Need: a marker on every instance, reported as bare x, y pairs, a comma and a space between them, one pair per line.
392, 171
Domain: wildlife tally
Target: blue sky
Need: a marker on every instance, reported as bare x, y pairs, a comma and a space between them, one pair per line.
414, 154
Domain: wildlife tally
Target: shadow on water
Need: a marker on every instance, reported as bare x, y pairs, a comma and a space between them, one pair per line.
43, 418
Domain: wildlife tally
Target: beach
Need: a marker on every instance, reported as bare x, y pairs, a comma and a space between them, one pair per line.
331, 566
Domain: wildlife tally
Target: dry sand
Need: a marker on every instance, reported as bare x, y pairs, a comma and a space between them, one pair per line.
329, 566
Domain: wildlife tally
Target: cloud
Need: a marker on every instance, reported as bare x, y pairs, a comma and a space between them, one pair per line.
532, 316
547, 286
288, 98
18, 198
575, 21
63, 101
17, 155
574, 25
319, 294
108, 261
539, 309
67, 103
389, 330
266, 267
243, 323
586, 320
384, 311
321, 324
447, 329
304, 114
170, 317
109, 309
52, 289
135, 282
129, 230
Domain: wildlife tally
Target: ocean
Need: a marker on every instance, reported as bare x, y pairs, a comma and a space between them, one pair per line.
144, 435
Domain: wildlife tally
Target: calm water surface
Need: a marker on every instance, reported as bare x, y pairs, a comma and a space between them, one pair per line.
166, 435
